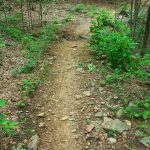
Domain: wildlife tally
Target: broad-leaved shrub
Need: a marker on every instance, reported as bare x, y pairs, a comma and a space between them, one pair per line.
110, 38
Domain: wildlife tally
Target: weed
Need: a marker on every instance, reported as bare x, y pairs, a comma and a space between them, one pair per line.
15, 19
28, 67
111, 133
29, 87
140, 134
6, 125
69, 17
2, 45
30, 131
139, 109
20, 104
91, 10
78, 8
18, 148
143, 126
11, 31
91, 67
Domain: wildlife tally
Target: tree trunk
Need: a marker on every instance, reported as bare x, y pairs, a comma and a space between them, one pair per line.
147, 31
22, 17
4, 10
41, 12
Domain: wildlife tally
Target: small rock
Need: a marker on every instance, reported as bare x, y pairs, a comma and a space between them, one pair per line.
89, 128
74, 130
41, 115
128, 123
102, 103
71, 119
99, 115
41, 125
64, 118
126, 146
80, 70
100, 89
120, 113
124, 134
115, 97
74, 46
76, 136
97, 124
112, 140
87, 93
145, 141
106, 119
33, 142
78, 97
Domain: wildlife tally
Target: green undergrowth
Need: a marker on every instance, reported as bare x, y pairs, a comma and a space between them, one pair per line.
2, 45
33, 45
6, 125
29, 86
87, 10
123, 68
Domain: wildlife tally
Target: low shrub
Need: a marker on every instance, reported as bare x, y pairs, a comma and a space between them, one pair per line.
29, 87
111, 39
138, 109
6, 125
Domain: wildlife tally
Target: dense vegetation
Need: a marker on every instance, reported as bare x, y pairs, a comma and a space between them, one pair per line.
123, 49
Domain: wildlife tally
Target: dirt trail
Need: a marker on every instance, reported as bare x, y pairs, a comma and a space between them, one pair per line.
57, 95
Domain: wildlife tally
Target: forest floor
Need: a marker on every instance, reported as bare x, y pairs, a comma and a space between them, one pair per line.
71, 105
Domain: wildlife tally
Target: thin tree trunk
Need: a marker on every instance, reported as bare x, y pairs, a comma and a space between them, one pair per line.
28, 8
22, 17
41, 13
147, 32
4, 10
135, 17
131, 19
31, 8
30, 13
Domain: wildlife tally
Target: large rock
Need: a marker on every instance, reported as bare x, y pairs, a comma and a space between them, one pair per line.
145, 141
115, 125
33, 142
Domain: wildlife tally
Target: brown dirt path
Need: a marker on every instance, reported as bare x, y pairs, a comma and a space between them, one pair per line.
57, 95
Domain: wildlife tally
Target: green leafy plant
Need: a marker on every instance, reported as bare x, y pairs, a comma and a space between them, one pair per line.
29, 87
91, 11
144, 126
139, 109
2, 45
91, 67
111, 133
111, 39
20, 104
78, 8
18, 148
69, 17
29, 66
6, 125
